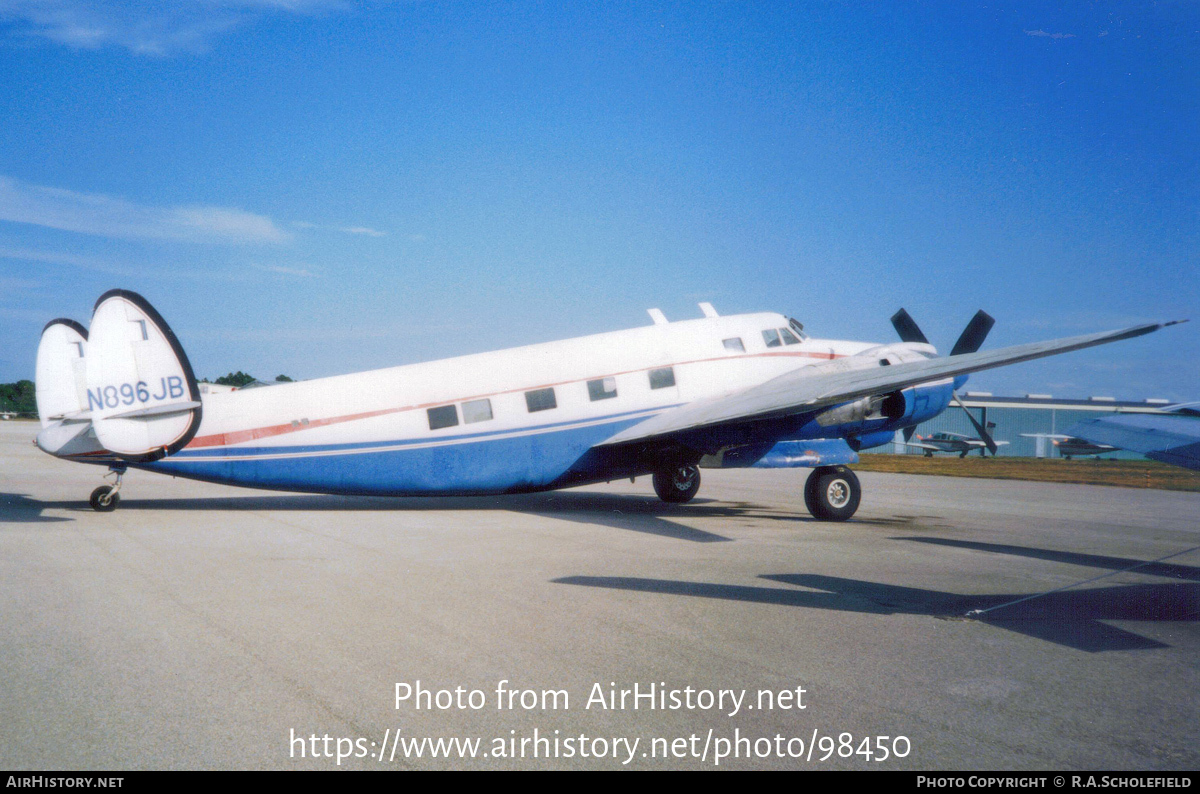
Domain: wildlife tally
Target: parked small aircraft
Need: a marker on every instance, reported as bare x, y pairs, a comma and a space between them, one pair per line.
1071, 446
664, 400
953, 442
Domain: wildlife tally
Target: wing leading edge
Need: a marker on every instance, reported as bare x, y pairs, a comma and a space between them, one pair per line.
807, 389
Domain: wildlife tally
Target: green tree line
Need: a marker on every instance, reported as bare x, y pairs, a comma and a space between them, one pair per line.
18, 397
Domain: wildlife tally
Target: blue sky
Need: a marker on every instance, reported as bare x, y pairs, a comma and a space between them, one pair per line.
313, 187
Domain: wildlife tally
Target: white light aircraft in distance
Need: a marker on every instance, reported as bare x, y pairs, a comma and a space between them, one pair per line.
959, 443
1072, 446
662, 400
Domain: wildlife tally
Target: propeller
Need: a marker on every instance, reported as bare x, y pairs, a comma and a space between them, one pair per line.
969, 341
984, 435
907, 328
973, 335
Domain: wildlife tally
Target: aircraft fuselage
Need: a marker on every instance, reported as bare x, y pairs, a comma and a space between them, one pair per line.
523, 419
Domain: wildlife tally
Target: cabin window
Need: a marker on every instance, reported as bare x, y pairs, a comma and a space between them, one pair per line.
734, 344
771, 337
477, 411
662, 378
602, 389
540, 400
788, 339
442, 416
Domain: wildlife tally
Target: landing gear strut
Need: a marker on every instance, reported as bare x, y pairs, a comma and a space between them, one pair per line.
677, 484
832, 493
106, 498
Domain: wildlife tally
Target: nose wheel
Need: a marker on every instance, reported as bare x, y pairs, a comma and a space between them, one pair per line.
677, 484
832, 493
106, 498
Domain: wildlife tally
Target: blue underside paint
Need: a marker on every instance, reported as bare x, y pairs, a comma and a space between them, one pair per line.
807, 454
485, 465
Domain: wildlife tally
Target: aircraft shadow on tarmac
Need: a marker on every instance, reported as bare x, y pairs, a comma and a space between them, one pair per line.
1071, 618
20, 509
630, 512
1167, 569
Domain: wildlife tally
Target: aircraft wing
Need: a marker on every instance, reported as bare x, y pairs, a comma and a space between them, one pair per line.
1173, 438
925, 446
809, 388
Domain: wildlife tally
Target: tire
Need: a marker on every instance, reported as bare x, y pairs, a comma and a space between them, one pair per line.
832, 493
103, 500
677, 484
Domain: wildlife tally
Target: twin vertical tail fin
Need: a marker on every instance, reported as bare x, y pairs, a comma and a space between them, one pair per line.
141, 392
61, 374
61, 379
125, 387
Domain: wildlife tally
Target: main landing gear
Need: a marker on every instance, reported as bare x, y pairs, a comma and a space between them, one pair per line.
677, 484
832, 493
106, 498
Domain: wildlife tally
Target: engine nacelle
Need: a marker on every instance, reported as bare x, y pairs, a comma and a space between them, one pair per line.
851, 413
915, 405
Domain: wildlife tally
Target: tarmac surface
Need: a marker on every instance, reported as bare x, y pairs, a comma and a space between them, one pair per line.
202, 626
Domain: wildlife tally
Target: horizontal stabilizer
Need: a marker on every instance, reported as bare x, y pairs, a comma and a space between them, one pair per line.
74, 417
140, 388
156, 411
65, 439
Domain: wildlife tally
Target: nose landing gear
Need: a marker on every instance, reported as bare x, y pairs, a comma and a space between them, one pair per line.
106, 498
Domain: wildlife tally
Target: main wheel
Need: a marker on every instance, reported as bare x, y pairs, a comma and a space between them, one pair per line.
677, 484
104, 500
832, 493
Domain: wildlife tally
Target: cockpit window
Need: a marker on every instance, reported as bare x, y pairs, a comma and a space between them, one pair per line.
771, 337
798, 328
788, 339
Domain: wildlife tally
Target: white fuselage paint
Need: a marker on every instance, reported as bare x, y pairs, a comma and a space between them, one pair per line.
390, 404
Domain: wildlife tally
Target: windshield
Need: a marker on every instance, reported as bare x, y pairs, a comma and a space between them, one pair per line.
798, 328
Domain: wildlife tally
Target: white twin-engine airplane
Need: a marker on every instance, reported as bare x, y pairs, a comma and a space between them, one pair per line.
664, 400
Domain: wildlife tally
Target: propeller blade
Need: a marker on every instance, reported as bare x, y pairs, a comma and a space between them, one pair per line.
908, 432
974, 334
907, 328
984, 436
